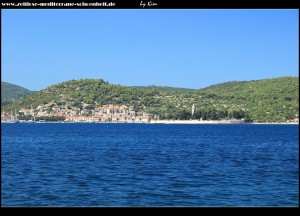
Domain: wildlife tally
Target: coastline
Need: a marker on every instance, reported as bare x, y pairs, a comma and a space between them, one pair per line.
169, 122
214, 122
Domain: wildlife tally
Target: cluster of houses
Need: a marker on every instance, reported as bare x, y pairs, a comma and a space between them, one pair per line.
104, 113
97, 114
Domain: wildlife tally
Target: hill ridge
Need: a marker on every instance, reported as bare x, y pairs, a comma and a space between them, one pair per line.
266, 100
10, 92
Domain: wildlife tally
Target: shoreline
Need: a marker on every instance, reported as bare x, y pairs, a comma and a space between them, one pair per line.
216, 122
182, 122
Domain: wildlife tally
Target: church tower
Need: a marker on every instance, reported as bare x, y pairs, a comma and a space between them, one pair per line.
193, 109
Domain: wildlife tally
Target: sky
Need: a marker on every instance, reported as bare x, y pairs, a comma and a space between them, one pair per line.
180, 48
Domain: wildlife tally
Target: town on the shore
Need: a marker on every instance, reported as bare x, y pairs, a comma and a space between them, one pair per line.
110, 113
55, 113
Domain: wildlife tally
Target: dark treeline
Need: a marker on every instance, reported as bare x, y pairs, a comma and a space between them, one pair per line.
207, 114
42, 118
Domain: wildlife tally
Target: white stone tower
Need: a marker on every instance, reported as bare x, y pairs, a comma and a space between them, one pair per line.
193, 109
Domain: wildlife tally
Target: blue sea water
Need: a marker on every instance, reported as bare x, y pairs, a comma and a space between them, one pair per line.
149, 165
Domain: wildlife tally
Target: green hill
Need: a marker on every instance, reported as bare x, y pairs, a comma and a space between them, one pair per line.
165, 88
268, 100
86, 91
11, 92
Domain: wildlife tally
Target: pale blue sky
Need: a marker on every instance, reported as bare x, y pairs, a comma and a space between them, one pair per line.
181, 48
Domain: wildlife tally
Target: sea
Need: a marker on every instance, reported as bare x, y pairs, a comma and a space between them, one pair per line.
149, 165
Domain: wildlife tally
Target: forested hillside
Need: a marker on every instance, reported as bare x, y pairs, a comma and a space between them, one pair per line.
11, 92
165, 88
268, 100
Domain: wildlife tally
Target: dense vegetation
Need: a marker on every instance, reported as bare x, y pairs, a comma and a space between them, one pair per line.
274, 99
165, 88
268, 100
87, 93
11, 92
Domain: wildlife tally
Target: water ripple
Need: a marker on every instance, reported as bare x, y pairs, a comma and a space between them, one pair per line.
149, 165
